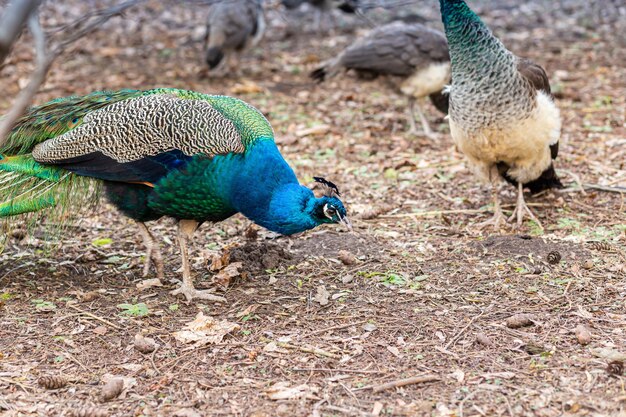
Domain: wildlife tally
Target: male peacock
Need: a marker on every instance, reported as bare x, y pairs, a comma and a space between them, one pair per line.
232, 27
164, 152
502, 114
413, 56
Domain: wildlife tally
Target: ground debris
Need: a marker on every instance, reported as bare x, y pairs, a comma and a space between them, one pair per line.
88, 412
111, 389
52, 381
144, 344
322, 295
284, 391
519, 320
204, 330
583, 335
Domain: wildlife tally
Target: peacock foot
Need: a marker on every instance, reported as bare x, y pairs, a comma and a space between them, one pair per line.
190, 293
153, 256
496, 221
520, 209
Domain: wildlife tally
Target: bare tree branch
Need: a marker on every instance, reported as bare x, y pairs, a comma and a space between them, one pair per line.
24, 98
12, 21
45, 58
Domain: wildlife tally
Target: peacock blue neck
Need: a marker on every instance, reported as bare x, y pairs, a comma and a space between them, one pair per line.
265, 189
473, 48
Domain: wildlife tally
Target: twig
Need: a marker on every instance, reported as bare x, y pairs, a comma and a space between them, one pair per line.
348, 371
93, 316
577, 180
14, 382
401, 383
337, 327
434, 213
605, 188
315, 351
455, 338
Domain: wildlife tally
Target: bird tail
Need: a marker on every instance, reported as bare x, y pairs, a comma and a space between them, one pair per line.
547, 180
29, 187
327, 70
214, 56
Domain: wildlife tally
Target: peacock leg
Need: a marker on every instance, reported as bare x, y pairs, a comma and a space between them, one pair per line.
411, 116
153, 252
186, 228
521, 207
416, 108
498, 217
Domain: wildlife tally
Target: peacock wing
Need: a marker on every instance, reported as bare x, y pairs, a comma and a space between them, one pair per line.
142, 138
57, 117
538, 78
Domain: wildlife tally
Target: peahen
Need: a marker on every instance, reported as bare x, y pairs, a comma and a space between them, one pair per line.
502, 113
164, 152
232, 27
412, 56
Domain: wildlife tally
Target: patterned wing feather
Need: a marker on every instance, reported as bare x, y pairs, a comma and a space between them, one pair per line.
396, 49
535, 75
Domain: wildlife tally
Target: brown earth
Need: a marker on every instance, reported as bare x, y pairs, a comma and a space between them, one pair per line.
327, 317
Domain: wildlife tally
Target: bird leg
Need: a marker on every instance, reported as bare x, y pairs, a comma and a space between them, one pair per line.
414, 108
498, 216
521, 208
153, 252
186, 228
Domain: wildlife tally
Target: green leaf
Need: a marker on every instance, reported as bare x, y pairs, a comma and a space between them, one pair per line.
134, 310
102, 241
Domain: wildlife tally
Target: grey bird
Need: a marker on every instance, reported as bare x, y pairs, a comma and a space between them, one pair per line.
232, 27
414, 58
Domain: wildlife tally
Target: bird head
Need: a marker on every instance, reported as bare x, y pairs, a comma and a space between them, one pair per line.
329, 208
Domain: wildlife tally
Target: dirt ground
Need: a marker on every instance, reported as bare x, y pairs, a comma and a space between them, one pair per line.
316, 324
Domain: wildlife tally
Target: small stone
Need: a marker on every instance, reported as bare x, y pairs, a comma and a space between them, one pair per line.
144, 344
346, 257
346, 279
369, 327
582, 334
483, 339
588, 264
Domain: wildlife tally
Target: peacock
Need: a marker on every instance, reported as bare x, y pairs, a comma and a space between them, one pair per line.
502, 113
163, 152
414, 57
232, 27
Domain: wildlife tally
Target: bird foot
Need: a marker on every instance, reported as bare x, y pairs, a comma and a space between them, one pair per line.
190, 293
154, 257
520, 209
496, 221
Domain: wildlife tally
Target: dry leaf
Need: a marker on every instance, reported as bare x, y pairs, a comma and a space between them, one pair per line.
458, 374
282, 391
224, 277
394, 351
246, 87
314, 131
220, 261
322, 295
608, 353
204, 330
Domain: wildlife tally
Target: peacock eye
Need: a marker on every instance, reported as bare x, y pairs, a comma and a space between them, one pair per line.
330, 211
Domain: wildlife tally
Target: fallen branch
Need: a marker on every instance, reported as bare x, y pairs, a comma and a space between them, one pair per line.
93, 316
401, 383
605, 188
315, 351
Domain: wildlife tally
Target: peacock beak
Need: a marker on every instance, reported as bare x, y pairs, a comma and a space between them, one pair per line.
346, 222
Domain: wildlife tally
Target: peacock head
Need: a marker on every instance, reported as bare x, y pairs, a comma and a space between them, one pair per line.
295, 208
329, 208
